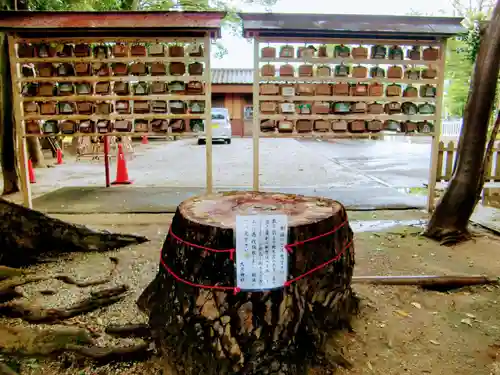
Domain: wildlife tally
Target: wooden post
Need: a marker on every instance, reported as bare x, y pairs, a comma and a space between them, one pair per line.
22, 152
437, 129
256, 112
208, 114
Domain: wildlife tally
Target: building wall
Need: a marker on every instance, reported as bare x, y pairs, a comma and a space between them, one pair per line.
248, 121
236, 103
218, 101
238, 100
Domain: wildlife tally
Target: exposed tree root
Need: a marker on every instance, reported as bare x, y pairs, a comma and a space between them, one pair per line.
8, 287
84, 284
34, 314
139, 352
30, 342
447, 236
27, 342
28, 236
454, 239
129, 330
6, 272
6, 370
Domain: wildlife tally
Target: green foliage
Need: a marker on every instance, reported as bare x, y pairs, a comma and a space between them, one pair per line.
104, 5
461, 56
458, 73
462, 52
74, 5
231, 22
472, 38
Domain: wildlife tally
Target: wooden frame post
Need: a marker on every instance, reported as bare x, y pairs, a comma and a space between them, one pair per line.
208, 115
21, 117
433, 172
256, 114
435, 117
21, 147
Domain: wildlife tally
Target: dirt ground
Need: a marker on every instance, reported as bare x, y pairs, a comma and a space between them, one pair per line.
400, 330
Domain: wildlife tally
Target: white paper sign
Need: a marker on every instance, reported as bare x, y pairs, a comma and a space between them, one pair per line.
261, 257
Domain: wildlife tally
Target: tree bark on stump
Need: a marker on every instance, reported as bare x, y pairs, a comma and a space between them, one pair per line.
281, 331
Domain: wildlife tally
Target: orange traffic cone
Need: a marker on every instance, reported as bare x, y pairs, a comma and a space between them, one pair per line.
31, 172
145, 140
59, 156
121, 169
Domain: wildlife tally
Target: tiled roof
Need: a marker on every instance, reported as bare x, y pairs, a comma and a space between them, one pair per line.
232, 76
350, 25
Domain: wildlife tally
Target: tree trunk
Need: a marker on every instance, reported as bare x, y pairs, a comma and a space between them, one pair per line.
280, 331
28, 235
35, 152
451, 217
7, 126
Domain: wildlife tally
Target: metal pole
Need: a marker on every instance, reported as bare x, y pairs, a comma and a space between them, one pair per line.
106, 160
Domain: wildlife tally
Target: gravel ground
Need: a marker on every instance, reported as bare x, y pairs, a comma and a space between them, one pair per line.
401, 330
136, 268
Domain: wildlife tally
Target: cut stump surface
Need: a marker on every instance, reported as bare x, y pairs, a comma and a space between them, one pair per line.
283, 331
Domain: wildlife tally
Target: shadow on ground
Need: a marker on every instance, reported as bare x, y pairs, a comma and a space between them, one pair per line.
135, 199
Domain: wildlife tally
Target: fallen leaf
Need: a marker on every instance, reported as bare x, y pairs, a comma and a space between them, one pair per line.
402, 313
467, 321
494, 351
417, 305
370, 367
472, 316
434, 342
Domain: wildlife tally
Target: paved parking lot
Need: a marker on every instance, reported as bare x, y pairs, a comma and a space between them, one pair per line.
284, 162
403, 163
353, 170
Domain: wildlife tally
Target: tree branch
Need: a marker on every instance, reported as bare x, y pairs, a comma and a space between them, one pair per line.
487, 156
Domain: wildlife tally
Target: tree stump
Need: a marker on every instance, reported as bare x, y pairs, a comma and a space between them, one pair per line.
283, 331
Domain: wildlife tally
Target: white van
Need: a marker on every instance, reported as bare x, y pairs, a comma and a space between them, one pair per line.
221, 127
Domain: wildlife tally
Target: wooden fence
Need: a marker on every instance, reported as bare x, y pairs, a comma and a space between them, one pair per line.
451, 128
446, 161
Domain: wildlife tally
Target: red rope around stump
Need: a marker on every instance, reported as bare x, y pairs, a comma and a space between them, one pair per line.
232, 251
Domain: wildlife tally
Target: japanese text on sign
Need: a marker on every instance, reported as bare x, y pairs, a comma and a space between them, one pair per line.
261, 258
